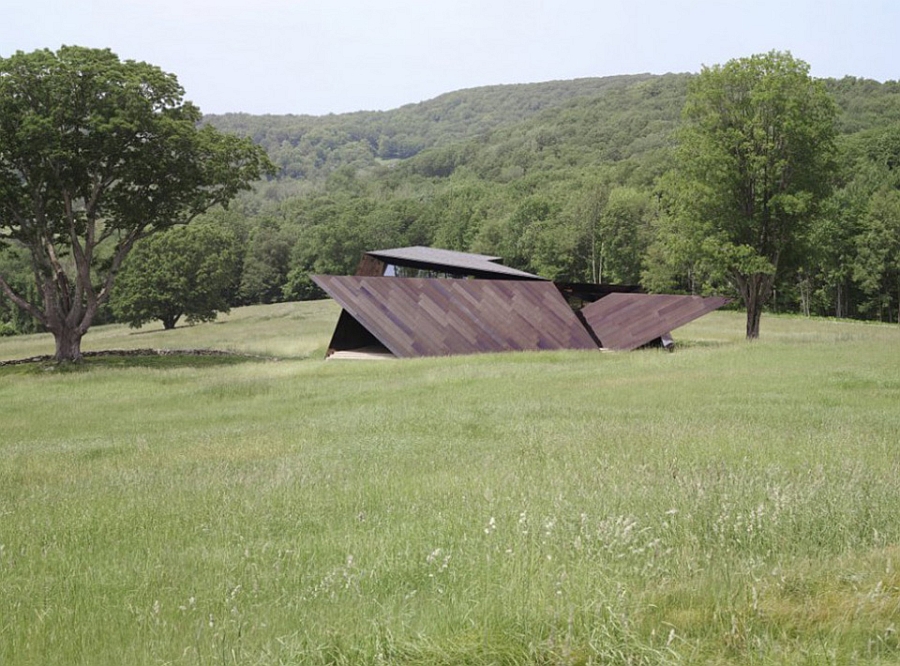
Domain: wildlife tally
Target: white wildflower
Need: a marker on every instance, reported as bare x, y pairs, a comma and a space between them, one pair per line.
491, 526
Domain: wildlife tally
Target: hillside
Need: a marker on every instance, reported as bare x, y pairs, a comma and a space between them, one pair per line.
623, 125
606, 119
312, 146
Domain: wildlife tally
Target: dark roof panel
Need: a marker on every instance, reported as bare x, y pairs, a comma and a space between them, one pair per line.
625, 321
449, 261
440, 317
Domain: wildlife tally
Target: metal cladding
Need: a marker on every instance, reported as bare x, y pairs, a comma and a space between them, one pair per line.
440, 317
623, 321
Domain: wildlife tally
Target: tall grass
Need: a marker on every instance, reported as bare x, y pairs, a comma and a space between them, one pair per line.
729, 503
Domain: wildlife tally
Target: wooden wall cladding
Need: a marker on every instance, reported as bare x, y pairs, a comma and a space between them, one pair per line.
624, 321
440, 317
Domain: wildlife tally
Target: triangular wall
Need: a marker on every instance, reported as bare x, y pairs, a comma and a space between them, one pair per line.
627, 321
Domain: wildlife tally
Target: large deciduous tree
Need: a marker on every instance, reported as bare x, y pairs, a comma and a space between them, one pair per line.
95, 154
754, 164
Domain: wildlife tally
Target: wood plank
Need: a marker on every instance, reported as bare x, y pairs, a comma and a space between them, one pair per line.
625, 321
438, 317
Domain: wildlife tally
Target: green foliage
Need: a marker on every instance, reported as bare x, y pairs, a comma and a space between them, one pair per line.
560, 178
623, 233
331, 234
754, 164
500, 170
458, 213
14, 266
865, 104
877, 269
265, 264
95, 154
849, 265
182, 272
311, 147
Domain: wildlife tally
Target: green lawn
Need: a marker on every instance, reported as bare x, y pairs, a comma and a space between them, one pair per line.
285, 330
730, 503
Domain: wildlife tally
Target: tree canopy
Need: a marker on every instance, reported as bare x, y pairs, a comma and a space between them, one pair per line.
188, 271
754, 165
95, 154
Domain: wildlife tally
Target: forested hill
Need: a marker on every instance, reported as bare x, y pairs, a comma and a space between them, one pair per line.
563, 179
310, 147
583, 121
560, 178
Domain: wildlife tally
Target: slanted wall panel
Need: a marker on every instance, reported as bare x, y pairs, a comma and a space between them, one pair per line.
440, 317
628, 321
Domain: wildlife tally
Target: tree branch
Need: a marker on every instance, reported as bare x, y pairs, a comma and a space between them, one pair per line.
20, 302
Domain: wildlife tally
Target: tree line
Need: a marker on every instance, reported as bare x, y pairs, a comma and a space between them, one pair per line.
583, 191
571, 180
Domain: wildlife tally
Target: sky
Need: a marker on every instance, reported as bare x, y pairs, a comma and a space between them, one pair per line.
335, 56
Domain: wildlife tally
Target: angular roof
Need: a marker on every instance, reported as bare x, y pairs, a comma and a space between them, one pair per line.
625, 321
439, 317
449, 261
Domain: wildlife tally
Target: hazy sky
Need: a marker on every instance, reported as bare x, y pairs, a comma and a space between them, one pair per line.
333, 56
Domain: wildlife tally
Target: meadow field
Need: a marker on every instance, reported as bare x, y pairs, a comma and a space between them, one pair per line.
730, 503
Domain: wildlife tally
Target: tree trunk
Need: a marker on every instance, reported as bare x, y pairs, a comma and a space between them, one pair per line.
755, 289
805, 297
169, 321
754, 313
68, 344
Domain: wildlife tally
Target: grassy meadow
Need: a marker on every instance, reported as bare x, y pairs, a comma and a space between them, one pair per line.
730, 503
